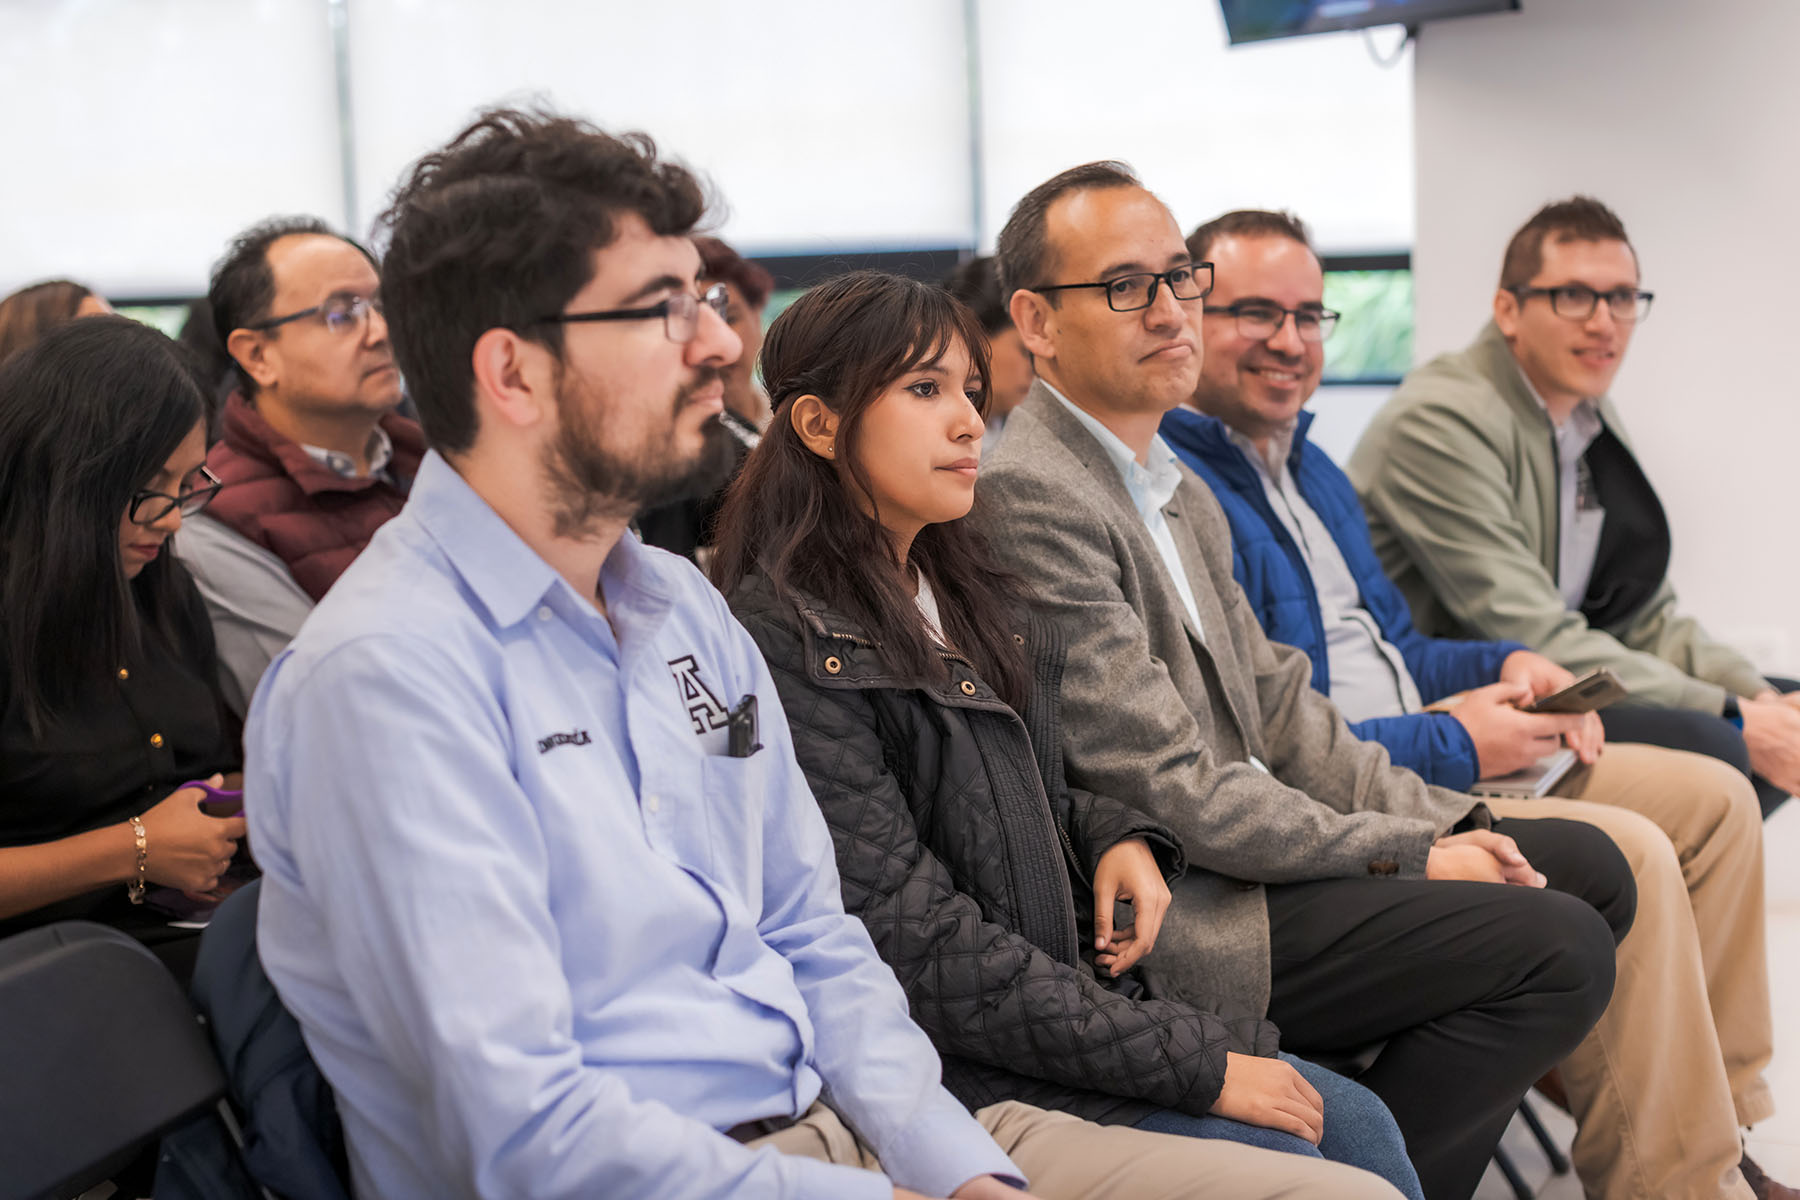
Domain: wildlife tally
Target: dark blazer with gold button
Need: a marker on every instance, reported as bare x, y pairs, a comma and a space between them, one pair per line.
970, 860
1167, 717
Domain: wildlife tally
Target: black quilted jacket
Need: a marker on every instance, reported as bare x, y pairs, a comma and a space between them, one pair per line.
970, 860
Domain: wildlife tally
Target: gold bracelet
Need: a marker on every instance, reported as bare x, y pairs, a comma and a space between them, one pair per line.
134, 888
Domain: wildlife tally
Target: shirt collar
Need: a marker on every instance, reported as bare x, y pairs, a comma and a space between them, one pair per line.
1584, 420
380, 452
1281, 448
1151, 483
506, 575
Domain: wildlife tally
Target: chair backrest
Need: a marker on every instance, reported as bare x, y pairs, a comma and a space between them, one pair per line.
293, 1142
100, 1053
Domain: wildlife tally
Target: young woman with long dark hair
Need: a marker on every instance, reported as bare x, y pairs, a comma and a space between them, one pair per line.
922, 693
109, 699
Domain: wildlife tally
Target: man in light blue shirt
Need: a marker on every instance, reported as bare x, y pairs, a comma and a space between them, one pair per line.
544, 888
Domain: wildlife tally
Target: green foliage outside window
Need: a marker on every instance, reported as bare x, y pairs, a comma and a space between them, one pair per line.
1373, 339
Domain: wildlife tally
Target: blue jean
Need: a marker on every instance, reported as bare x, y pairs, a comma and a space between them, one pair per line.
1359, 1130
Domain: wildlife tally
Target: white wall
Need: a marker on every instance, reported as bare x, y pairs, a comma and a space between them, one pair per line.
1681, 117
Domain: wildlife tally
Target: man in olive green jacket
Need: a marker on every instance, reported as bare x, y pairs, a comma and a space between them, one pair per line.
1504, 499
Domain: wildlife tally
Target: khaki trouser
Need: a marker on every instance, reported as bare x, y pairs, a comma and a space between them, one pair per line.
1675, 1065
1063, 1156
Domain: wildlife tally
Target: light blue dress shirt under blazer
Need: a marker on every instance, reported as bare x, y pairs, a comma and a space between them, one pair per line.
543, 936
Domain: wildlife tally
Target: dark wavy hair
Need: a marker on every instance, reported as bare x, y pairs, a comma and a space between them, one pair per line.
790, 512
89, 414
498, 230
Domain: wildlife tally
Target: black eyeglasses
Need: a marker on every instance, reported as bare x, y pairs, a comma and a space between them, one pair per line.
1577, 301
1129, 293
1259, 321
341, 314
680, 313
147, 507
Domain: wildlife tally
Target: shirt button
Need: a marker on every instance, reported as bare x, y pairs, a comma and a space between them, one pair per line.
544, 613
652, 802
156, 741
124, 674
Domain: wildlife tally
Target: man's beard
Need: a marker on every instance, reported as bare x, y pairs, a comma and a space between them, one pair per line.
590, 481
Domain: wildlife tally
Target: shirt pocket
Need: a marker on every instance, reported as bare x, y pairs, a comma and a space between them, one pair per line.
733, 793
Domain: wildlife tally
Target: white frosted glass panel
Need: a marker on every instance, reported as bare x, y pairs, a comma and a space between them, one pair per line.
1311, 124
140, 135
822, 123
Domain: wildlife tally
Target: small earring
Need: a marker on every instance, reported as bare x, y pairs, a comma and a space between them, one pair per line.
831, 447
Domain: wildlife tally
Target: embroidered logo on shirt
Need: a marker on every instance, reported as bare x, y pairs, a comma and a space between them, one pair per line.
577, 737
704, 709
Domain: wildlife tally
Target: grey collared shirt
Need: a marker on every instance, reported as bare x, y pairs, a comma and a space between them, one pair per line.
1151, 484
1579, 515
255, 605
1369, 676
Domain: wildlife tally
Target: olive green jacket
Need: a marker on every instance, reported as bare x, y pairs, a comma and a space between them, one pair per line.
1458, 474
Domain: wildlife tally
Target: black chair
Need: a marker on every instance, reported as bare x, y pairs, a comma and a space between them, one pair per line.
1559, 1162
100, 1054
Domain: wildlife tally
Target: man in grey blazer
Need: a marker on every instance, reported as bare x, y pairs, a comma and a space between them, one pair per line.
1314, 886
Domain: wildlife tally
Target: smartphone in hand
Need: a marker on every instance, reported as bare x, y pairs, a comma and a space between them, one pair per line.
1590, 693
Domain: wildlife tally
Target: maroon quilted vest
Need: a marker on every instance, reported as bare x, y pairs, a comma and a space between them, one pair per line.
313, 519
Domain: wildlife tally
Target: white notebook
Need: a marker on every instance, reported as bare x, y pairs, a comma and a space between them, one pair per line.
1528, 782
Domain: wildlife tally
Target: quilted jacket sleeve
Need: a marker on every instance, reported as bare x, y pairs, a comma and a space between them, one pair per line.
1098, 823
980, 991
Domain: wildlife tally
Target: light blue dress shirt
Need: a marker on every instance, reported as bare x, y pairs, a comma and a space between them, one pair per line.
1150, 486
543, 936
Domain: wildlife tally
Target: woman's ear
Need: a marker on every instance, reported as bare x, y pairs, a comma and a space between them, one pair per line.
816, 424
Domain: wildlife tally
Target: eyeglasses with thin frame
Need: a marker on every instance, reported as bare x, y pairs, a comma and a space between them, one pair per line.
1577, 301
680, 313
1130, 293
340, 314
1258, 320
147, 507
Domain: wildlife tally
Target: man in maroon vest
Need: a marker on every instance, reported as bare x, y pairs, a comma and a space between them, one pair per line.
313, 457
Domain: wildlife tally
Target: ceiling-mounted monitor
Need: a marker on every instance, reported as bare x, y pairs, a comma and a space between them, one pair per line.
1260, 20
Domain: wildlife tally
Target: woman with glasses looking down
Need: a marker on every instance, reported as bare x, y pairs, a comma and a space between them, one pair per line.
923, 695
109, 697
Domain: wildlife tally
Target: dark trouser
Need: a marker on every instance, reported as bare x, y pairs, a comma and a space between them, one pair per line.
1701, 733
1477, 989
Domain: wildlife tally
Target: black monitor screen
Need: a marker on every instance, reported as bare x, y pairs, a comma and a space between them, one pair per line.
1257, 20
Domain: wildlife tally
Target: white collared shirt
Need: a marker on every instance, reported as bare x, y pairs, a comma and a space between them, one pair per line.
1151, 486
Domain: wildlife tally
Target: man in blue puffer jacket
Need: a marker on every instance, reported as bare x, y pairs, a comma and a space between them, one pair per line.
1302, 553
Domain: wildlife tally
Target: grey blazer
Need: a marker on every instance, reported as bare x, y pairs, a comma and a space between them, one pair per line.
1167, 720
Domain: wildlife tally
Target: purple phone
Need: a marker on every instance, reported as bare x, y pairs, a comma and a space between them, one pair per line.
219, 802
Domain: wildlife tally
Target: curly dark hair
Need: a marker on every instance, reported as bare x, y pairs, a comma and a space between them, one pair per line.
498, 230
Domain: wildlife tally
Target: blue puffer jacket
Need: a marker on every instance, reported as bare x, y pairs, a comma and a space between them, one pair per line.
1274, 576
